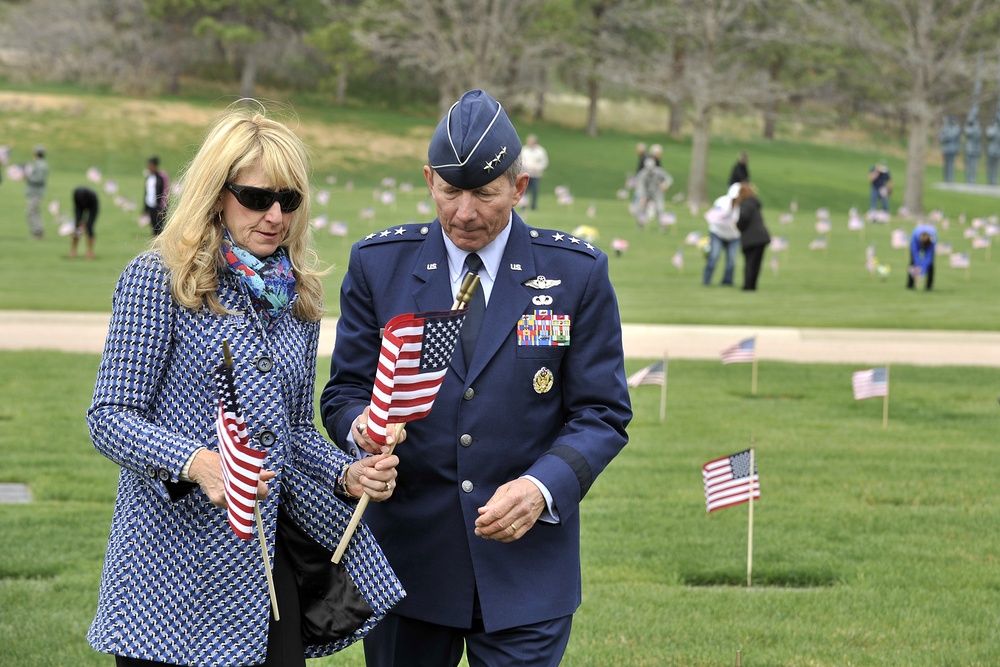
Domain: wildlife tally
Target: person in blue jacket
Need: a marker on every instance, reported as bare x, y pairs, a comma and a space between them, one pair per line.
484, 527
922, 246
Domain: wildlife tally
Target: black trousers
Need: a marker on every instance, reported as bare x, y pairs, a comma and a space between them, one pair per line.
930, 276
284, 637
753, 258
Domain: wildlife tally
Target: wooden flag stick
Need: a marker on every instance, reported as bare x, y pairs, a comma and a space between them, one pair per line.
753, 373
267, 560
352, 526
885, 400
469, 285
750, 522
663, 391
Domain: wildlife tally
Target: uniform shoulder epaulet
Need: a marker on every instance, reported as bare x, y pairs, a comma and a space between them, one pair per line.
408, 232
557, 239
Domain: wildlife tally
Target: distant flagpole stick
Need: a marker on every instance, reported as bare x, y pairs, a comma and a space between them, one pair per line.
750, 519
753, 373
227, 357
885, 400
469, 285
663, 391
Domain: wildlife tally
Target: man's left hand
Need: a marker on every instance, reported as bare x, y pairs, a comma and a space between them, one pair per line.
511, 512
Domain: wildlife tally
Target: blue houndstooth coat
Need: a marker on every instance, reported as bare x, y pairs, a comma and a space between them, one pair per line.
178, 586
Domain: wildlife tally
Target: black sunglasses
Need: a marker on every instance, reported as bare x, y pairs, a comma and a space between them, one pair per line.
259, 199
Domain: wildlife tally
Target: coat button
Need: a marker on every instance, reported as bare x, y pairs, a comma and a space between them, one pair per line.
467, 486
164, 475
466, 440
265, 364
151, 471
266, 438
469, 393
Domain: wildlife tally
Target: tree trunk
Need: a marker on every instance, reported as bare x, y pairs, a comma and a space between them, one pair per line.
770, 119
593, 92
248, 77
676, 117
699, 157
341, 94
913, 194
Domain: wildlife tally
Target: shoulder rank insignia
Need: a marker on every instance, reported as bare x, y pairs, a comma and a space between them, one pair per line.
541, 282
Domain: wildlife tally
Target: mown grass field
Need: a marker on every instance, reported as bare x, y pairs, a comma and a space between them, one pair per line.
872, 547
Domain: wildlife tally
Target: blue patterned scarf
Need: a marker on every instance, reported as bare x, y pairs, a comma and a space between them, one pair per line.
269, 281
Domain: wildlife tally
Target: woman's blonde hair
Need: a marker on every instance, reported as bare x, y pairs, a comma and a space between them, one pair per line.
242, 138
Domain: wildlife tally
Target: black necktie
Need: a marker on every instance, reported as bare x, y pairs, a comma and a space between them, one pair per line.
474, 312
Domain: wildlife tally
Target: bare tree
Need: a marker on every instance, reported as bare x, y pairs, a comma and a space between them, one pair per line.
459, 44
922, 51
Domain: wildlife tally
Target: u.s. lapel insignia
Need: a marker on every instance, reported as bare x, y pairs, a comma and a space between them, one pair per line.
541, 282
543, 380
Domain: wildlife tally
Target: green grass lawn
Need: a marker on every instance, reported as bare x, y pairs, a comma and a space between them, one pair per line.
354, 151
872, 547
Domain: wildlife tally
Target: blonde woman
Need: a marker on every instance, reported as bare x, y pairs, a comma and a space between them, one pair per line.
234, 263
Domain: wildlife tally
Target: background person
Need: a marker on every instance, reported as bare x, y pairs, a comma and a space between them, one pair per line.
85, 209
651, 184
155, 194
484, 530
880, 180
535, 161
36, 175
741, 169
234, 263
923, 243
951, 140
754, 237
723, 235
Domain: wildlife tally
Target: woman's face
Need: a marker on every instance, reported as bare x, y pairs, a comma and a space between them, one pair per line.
258, 232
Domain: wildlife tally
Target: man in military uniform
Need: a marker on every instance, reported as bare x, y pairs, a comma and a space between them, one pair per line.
484, 527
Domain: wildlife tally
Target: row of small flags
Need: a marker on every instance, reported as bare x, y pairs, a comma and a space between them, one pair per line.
871, 383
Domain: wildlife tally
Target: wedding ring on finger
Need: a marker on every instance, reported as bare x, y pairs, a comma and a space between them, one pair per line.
363, 428
388, 487
513, 529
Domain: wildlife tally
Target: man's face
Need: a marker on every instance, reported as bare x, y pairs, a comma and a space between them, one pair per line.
473, 218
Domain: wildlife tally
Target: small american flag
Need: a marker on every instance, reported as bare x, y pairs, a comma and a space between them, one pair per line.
728, 481
240, 463
871, 383
416, 349
741, 351
652, 374
678, 259
959, 260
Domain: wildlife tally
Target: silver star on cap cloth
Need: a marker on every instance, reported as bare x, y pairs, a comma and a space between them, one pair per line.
474, 143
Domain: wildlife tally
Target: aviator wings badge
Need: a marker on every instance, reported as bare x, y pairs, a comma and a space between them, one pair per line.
541, 282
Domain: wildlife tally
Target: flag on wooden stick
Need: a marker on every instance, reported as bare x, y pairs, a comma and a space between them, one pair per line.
744, 350
871, 383
416, 350
241, 463
652, 374
728, 481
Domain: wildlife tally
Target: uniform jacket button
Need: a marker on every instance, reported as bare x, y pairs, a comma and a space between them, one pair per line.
466, 440
467, 486
267, 438
265, 364
469, 393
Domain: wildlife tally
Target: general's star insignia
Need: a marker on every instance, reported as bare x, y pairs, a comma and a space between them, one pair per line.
557, 236
370, 236
384, 233
400, 230
575, 240
541, 282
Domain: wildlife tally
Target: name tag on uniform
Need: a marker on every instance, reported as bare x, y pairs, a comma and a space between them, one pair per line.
543, 328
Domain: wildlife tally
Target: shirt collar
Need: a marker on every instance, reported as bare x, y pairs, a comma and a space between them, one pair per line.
491, 254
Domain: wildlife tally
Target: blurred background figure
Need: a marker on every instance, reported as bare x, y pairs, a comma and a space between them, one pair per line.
534, 160
973, 144
36, 175
85, 207
741, 170
922, 247
754, 236
157, 189
880, 180
951, 139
